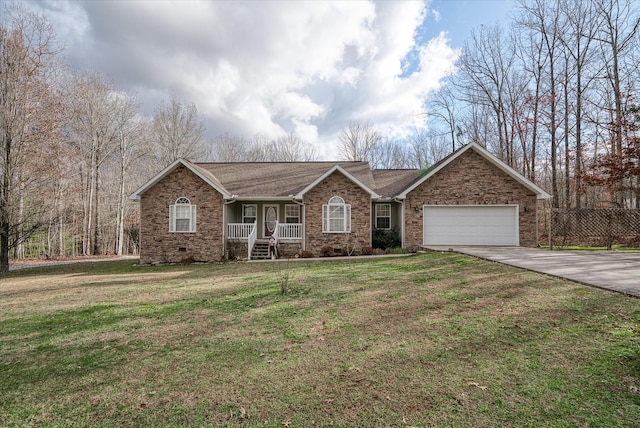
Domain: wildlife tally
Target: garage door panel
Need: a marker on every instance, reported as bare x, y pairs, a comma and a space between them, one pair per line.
471, 225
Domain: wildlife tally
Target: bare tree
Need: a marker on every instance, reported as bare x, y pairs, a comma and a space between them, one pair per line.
618, 39
290, 148
357, 141
27, 49
533, 60
392, 154
516, 98
95, 127
487, 61
177, 132
545, 19
228, 148
578, 40
477, 121
442, 107
129, 138
426, 148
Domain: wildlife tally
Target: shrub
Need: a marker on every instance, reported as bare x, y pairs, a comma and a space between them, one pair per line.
284, 275
386, 238
235, 250
367, 251
348, 250
306, 254
187, 261
327, 251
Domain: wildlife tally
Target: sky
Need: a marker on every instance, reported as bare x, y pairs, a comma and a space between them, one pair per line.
276, 67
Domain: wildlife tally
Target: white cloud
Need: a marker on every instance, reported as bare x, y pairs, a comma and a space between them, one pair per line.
436, 15
265, 67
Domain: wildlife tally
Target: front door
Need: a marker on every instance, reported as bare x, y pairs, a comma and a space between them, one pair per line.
270, 216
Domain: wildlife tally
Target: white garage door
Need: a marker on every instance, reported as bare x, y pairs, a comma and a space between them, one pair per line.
471, 225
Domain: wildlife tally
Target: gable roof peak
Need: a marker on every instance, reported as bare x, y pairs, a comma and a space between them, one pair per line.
344, 172
431, 171
205, 175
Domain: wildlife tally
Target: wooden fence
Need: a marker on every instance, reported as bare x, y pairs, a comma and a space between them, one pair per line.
595, 226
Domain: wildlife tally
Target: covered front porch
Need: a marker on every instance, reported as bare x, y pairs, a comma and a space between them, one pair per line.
261, 226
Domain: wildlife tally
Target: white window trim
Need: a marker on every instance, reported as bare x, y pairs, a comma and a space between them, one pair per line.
297, 207
377, 216
182, 202
336, 202
255, 206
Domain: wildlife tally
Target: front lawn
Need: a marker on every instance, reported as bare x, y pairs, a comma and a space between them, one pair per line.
426, 340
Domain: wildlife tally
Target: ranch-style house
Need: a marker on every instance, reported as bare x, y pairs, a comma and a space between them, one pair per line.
205, 211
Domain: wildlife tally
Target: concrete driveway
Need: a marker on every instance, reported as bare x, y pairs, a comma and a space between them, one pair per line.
613, 270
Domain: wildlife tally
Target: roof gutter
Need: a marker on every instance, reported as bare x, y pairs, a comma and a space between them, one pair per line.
231, 200
262, 198
296, 201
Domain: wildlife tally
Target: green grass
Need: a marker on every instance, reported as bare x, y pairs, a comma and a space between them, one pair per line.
431, 340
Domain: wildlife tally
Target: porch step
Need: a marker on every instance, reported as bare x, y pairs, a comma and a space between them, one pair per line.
260, 251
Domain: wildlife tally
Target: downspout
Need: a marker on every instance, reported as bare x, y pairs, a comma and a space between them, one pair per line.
304, 221
372, 220
224, 223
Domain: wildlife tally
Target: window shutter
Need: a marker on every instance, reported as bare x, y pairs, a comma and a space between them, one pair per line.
172, 218
325, 218
193, 218
347, 218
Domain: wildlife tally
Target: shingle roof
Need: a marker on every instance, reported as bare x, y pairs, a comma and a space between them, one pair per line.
540, 194
284, 179
208, 174
391, 182
279, 179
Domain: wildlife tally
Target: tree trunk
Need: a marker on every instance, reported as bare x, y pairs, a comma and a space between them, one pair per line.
18, 249
4, 231
86, 210
554, 145
567, 133
578, 169
534, 131
120, 213
96, 211
60, 207
5, 194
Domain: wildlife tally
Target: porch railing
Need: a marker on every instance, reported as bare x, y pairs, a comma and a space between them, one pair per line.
249, 232
244, 232
252, 239
276, 233
289, 231
240, 231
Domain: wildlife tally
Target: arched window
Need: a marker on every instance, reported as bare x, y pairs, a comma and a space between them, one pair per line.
336, 216
182, 216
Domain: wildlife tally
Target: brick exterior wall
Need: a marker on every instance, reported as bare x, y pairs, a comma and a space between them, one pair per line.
470, 180
158, 245
337, 184
289, 249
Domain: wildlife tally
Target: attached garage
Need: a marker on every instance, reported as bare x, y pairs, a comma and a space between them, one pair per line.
471, 225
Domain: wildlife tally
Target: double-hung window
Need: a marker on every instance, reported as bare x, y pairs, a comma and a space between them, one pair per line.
249, 213
383, 216
182, 216
336, 216
292, 214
